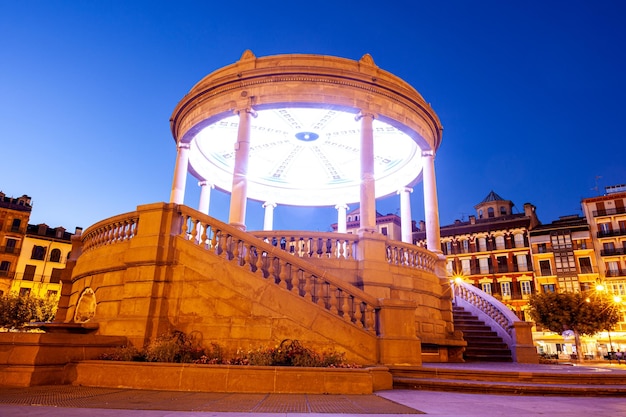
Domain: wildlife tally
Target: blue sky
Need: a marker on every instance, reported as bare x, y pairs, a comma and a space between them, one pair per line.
530, 94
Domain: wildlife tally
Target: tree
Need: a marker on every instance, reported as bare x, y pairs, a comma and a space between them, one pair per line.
18, 310
583, 313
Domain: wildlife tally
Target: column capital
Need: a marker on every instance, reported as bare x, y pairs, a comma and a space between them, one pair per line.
269, 204
404, 190
342, 206
183, 145
363, 114
428, 152
205, 183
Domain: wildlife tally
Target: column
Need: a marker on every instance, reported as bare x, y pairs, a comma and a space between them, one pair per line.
268, 220
180, 174
368, 196
341, 217
239, 194
205, 196
406, 222
431, 207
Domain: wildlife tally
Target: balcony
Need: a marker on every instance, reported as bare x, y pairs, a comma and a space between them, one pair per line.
611, 233
609, 212
615, 273
612, 252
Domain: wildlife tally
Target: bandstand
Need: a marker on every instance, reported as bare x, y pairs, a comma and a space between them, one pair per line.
307, 130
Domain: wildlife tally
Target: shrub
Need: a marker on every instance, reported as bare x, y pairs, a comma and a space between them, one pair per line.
178, 347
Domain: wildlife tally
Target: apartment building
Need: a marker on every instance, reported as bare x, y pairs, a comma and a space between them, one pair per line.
14, 216
42, 259
491, 250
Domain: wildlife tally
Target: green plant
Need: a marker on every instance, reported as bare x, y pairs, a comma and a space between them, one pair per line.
17, 311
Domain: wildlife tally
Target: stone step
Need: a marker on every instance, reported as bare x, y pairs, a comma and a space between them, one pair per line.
512, 378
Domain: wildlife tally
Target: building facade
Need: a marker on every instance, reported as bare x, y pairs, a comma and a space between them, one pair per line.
42, 258
14, 216
386, 224
606, 216
492, 251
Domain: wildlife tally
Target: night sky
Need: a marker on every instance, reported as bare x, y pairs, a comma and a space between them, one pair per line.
530, 94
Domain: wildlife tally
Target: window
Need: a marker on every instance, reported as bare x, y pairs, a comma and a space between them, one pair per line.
564, 262
542, 248
24, 292
484, 266
383, 230
15, 226
502, 264
608, 248
502, 211
480, 214
522, 263
465, 246
622, 226
447, 248
546, 287
10, 247
490, 212
482, 244
486, 287
519, 240
4, 268
29, 273
505, 288
612, 269
55, 255
585, 266
544, 266
605, 229
527, 288
466, 267
39, 253
55, 276
568, 283
500, 242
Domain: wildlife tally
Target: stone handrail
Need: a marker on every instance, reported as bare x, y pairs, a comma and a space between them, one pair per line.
110, 231
408, 255
312, 244
517, 334
496, 312
279, 267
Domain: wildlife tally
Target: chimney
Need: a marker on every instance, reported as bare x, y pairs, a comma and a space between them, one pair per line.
422, 226
472, 219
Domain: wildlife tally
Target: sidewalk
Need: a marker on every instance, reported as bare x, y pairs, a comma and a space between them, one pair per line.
74, 401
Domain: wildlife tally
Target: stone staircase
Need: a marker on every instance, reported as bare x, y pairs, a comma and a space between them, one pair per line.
483, 344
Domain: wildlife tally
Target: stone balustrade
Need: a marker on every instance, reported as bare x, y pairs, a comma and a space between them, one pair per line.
312, 244
113, 230
411, 256
276, 264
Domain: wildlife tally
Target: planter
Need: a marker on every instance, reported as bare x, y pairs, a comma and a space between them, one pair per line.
228, 378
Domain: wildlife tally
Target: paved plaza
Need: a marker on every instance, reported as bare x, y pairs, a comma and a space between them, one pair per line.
69, 401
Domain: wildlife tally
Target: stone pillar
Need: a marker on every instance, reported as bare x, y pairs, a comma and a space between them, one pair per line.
431, 207
406, 222
368, 195
205, 196
341, 217
268, 220
180, 174
239, 195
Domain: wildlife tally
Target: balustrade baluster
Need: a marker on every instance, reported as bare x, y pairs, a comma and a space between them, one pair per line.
358, 313
308, 289
345, 306
333, 300
282, 273
270, 268
296, 280
260, 258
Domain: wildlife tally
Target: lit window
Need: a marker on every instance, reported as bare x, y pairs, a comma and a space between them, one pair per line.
505, 288
486, 287
527, 288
